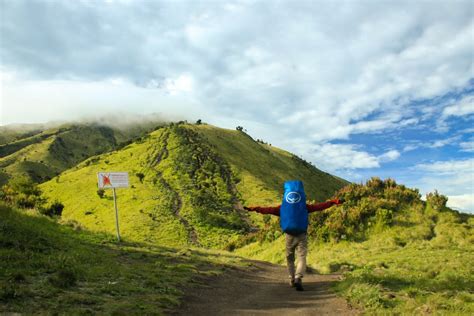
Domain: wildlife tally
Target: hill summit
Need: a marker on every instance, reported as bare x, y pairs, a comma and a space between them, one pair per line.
188, 184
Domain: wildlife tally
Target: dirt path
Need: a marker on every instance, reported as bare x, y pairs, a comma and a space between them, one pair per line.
263, 290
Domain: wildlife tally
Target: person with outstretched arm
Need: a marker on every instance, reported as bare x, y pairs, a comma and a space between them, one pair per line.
293, 213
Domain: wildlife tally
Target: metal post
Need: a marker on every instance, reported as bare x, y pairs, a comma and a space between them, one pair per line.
116, 216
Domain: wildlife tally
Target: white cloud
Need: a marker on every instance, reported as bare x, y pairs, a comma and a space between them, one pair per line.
433, 144
410, 147
338, 156
467, 146
449, 167
464, 202
330, 70
323, 71
453, 178
89, 100
465, 106
389, 155
443, 142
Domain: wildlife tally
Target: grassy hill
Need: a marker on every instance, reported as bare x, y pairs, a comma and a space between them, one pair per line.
188, 183
399, 254
11, 133
47, 268
42, 154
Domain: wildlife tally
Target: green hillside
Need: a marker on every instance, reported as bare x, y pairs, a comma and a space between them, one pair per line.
399, 254
52, 269
12, 133
41, 155
188, 183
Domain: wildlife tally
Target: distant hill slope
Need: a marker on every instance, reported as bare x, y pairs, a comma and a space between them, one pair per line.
42, 154
11, 133
187, 185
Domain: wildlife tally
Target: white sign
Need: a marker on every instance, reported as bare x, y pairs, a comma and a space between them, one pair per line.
112, 180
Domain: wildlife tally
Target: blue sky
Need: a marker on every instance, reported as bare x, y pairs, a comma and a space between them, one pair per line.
360, 88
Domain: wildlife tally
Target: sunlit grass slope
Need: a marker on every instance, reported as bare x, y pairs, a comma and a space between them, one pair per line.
187, 185
53, 269
399, 254
262, 169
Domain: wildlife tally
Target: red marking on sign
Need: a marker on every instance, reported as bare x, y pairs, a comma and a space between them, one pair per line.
106, 180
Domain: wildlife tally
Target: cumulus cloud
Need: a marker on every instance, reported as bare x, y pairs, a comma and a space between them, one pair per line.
453, 178
322, 71
463, 202
465, 106
452, 167
389, 155
345, 157
336, 156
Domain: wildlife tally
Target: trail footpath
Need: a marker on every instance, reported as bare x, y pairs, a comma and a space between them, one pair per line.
263, 289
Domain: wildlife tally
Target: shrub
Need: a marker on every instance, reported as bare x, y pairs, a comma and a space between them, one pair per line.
55, 209
140, 176
372, 205
436, 201
22, 192
101, 193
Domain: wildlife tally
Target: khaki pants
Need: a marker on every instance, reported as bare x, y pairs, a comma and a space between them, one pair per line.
299, 244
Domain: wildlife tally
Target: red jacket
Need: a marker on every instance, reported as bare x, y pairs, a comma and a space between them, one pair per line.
275, 210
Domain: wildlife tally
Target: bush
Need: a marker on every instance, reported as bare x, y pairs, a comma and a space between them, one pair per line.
101, 193
140, 176
55, 209
372, 205
22, 192
436, 201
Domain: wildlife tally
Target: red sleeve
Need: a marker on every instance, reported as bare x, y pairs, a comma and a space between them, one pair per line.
272, 210
319, 206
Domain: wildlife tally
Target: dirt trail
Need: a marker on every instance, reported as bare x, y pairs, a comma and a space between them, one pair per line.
262, 289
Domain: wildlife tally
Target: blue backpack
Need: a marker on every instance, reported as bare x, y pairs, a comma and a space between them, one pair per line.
293, 212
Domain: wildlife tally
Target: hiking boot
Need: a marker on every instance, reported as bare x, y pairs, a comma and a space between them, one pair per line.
292, 282
298, 284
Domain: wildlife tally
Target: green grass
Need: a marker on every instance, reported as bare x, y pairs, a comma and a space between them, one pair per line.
398, 254
13, 133
421, 263
48, 268
262, 169
47, 153
192, 188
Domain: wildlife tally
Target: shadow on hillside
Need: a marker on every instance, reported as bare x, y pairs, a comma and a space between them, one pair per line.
68, 260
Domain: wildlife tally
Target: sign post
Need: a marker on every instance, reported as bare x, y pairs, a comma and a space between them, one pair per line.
112, 180
116, 216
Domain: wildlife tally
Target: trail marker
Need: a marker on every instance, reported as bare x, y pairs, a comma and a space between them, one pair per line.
112, 180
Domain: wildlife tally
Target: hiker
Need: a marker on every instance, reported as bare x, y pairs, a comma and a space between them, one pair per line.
293, 214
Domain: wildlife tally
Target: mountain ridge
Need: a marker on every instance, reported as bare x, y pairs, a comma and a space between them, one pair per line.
192, 178
40, 154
